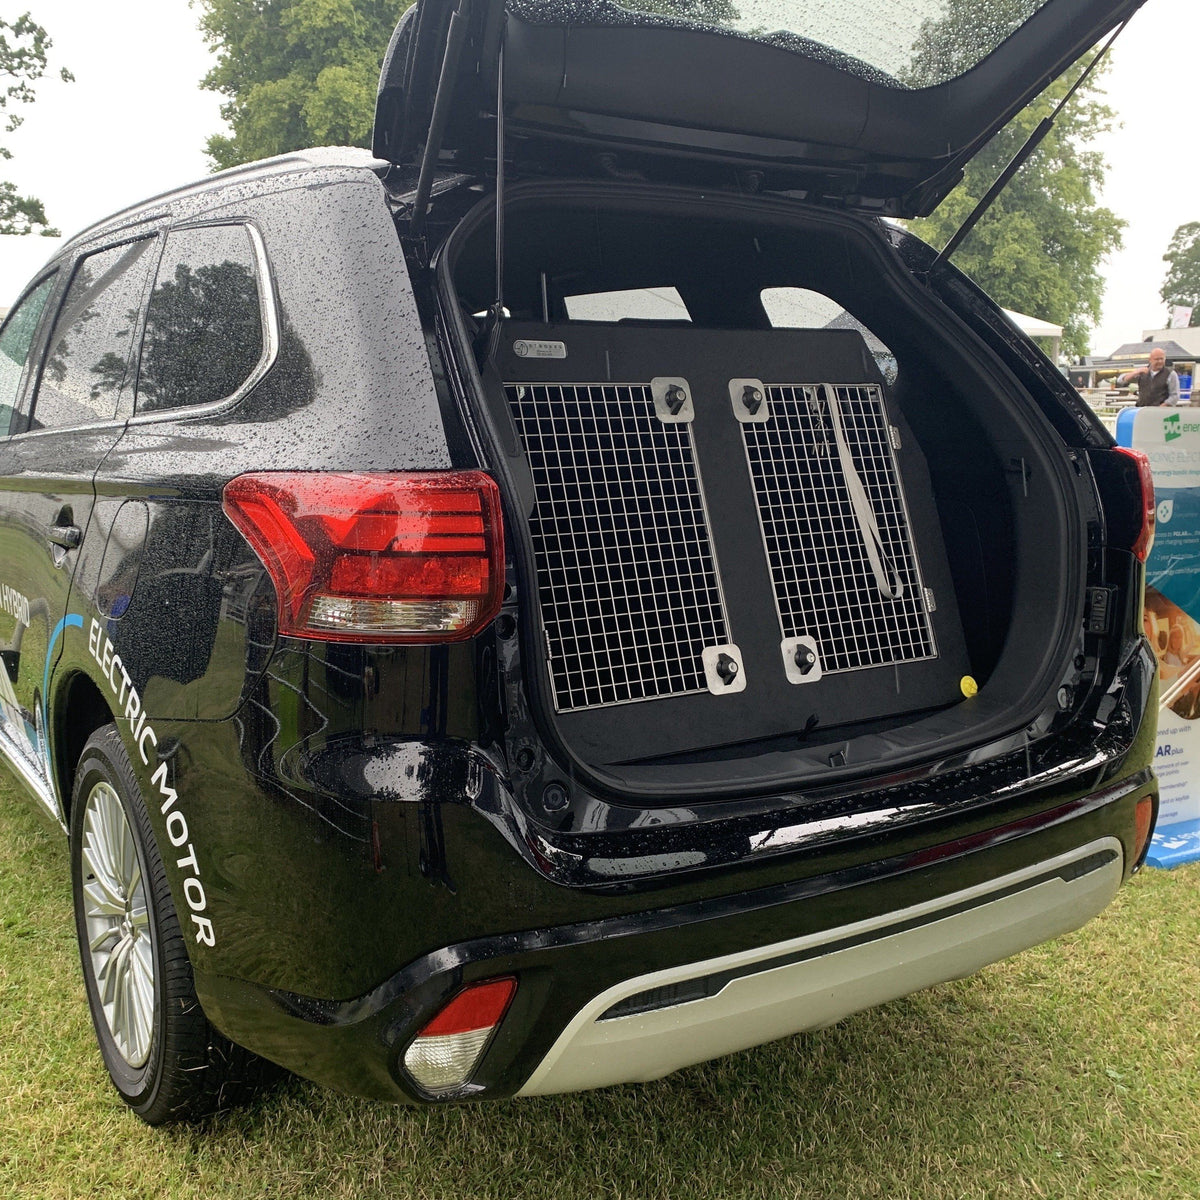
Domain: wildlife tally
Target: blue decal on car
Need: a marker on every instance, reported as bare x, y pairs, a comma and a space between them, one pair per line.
70, 620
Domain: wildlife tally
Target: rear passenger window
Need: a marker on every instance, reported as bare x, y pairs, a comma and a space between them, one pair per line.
800, 308
14, 347
88, 357
204, 327
637, 304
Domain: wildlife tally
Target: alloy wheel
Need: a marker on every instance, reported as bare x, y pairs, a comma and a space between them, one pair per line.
118, 924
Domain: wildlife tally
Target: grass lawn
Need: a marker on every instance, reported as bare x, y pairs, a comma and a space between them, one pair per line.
1069, 1071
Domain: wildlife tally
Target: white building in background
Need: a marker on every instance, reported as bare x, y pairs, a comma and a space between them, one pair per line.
1188, 339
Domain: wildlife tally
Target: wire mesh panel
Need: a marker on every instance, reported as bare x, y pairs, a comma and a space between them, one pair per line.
625, 568
835, 526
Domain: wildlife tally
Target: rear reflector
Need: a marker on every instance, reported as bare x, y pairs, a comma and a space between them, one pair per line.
1143, 815
444, 1055
1145, 537
379, 557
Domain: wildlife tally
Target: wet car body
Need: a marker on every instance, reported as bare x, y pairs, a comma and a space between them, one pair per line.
354, 833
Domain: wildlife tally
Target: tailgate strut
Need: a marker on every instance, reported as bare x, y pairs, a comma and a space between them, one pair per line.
1018, 159
488, 338
441, 113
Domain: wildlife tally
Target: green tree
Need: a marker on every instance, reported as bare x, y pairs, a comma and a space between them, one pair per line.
1182, 284
24, 46
296, 72
1040, 246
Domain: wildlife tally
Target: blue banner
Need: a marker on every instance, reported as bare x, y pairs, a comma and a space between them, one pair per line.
1170, 438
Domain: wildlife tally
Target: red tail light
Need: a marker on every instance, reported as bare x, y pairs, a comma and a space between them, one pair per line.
477, 1007
376, 558
1145, 539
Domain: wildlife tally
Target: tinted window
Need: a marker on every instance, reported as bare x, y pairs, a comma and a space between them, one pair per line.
800, 308
204, 331
89, 350
898, 43
14, 347
638, 304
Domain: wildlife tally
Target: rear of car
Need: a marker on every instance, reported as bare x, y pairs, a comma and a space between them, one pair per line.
546, 631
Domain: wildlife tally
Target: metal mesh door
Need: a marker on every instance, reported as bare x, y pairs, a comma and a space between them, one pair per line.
626, 573
829, 583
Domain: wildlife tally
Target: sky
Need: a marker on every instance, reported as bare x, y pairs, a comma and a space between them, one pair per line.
135, 121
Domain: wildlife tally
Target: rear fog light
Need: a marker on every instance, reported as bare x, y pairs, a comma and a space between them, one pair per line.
444, 1055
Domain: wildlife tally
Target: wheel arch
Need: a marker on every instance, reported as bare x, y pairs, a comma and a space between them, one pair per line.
79, 709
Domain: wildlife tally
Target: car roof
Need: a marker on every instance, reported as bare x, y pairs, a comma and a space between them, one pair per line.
154, 207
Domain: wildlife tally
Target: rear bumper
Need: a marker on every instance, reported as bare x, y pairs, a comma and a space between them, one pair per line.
647, 1026
759, 964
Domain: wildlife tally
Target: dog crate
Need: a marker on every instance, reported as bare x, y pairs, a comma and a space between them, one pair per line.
732, 535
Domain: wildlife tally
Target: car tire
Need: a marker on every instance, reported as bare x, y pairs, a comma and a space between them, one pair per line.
164, 1058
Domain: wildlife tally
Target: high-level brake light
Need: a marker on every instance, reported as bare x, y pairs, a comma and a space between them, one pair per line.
376, 557
444, 1055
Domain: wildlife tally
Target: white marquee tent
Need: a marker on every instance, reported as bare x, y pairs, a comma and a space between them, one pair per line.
1036, 327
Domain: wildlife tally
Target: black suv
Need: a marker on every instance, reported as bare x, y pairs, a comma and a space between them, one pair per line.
578, 591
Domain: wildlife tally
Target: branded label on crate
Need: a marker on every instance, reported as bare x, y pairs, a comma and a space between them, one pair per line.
525, 348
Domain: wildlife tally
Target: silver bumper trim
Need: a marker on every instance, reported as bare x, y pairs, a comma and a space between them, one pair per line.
826, 976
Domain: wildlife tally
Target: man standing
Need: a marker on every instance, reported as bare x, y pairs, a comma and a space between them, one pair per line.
1157, 383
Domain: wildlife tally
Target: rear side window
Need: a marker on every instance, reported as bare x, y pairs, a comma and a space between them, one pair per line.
637, 304
801, 308
88, 358
204, 327
14, 347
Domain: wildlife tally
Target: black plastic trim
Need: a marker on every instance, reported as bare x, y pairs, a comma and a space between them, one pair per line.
480, 950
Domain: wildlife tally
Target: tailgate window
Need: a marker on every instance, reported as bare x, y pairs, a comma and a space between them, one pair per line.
898, 43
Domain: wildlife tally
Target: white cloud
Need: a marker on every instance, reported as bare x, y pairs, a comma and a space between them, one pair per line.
1153, 176
132, 124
